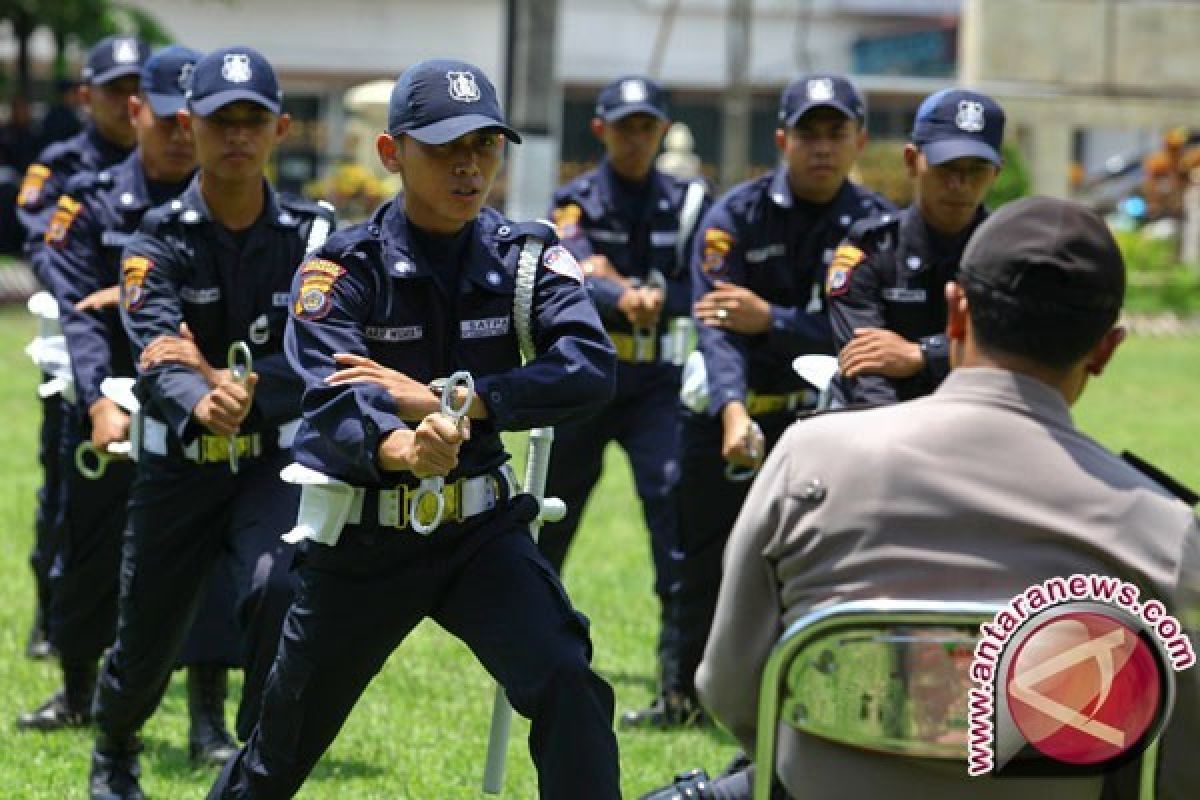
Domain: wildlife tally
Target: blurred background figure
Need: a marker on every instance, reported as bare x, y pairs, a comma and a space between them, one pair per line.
62, 120
679, 153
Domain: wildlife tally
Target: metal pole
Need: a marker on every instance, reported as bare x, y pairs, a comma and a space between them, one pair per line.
735, 124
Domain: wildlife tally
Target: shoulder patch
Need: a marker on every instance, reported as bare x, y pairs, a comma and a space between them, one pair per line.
558, 259
30, 193
314, 297
717, 244
133, 278
845, 259
566, 219
65, 212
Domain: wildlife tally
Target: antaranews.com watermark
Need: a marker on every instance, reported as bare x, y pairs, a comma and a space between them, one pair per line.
1106, 647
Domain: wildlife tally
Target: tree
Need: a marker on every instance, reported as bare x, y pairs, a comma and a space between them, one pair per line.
82, 21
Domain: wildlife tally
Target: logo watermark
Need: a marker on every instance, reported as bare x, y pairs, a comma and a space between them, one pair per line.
1085, 682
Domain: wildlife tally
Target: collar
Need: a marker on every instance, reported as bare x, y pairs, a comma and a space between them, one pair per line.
845, 203
916, 239
481, 257
780, 191
659, 190
1008, 390
129, 185
194, 209
108, 152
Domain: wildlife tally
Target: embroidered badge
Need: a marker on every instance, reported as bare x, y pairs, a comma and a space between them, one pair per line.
820, 89
314, 298
484, 328
125, 51
717, 244
60, 224
566, 220
236, 68
970, 116
133, 278
845, 259
559, 260
463, 87
31, 186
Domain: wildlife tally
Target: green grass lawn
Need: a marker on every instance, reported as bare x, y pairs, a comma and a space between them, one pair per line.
420, 731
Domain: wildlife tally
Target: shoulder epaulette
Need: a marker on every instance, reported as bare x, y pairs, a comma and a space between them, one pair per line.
1164, 480
158, 216
537, 228
82, 182
873, 225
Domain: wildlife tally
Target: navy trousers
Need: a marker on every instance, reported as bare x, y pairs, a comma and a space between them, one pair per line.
182, 520
484, 582
708, 506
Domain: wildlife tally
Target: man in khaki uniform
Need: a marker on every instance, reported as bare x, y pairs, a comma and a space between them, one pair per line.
972, 493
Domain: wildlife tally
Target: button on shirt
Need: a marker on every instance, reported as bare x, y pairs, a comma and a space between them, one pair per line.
636, 226
93, 221
895, 279
759, 236
372, 291
182, 266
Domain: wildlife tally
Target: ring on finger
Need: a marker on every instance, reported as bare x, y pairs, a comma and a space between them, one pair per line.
722, 314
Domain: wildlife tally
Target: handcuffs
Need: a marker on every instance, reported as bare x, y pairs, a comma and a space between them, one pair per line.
434, 485
241, 364
755, 442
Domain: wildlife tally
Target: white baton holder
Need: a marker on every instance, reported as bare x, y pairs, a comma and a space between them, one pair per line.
326, 505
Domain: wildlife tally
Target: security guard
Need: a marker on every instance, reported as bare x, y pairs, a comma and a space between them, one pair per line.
219, 258
885, 288
110, 78
629, 226
92, 221
424, 289
758, 278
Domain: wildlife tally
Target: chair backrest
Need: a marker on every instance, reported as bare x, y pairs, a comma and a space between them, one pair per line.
884, 675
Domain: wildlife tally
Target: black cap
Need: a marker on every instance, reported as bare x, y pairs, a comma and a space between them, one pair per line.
230, 74
166, 77
439, 100
1055, 250
114, 57
956, 123
820, 91
631, 94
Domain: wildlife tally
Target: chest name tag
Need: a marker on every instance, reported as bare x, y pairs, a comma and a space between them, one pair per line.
200, 296
280, 299
410, 333
761, 254
483, 328
904, 295
610, 237
114, 239
663, 238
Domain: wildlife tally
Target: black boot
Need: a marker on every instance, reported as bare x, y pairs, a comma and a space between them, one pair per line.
209, 741
69, 708
115, 770
671, 709
692, 785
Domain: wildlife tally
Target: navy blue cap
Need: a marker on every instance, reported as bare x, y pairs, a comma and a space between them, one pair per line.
230, 74
957, 123
439, 100
114, 57
166, 77
631, 94
820, 91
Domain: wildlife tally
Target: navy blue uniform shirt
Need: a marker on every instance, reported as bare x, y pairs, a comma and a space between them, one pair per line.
636, 228
891, 272
91, 224
759, 236
370, 292
46, 179
182, 266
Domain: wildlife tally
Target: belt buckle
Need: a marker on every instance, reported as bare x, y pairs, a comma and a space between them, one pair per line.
452, 511
213, 449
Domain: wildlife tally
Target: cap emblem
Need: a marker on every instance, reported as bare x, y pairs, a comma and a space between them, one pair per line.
820, 90
462, 87
125, 51
970, 116
236, 68
185, 76
633, 91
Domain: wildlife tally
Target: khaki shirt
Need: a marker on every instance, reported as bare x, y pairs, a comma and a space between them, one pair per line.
972, 493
